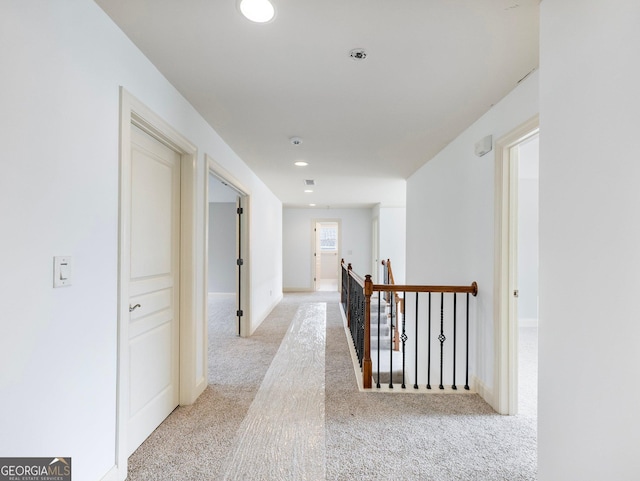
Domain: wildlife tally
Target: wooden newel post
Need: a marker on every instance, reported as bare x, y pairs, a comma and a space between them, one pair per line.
366, 360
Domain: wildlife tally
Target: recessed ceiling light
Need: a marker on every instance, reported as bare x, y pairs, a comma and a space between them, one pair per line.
259, 11
301, 163
312, 205
308, 191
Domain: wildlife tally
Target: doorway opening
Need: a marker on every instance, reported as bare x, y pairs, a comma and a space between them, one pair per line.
526, 154
516, 271
326, 254
227, 249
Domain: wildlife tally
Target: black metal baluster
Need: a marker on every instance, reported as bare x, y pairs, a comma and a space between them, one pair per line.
466, 382
404, 339
378, 344
429, 346
415, 385
391, 333
441, 338
361, 326
352, 308
453, 386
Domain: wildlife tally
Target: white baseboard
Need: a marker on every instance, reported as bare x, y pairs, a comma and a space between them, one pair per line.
222, 294
298, 289
528, 322
483, 391
113, 475
266, 313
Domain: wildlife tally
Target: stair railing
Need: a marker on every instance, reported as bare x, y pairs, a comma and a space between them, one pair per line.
398, 301
356, 303
356, 300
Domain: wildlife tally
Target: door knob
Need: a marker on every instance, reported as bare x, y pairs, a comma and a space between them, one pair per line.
131, 309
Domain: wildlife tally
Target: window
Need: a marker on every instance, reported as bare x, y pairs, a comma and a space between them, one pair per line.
329, 238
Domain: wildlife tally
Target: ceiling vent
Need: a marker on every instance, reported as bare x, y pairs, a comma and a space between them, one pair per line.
309, 182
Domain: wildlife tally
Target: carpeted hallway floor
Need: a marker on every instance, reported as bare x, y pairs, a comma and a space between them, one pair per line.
367, 436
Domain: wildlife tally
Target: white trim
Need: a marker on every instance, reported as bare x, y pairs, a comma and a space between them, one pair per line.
483, 391
375, 249
244, 195
134, 112
505, 329
267, 312
112, 475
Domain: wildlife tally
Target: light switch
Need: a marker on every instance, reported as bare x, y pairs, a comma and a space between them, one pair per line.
61, 271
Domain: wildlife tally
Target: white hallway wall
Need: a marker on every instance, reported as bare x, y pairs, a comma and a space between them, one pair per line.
589, 332
450, 212
297, 225
59, 196
392, 229
222, 247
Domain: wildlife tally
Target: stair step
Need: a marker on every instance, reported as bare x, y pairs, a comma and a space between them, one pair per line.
385, 343
384, 367
385, 330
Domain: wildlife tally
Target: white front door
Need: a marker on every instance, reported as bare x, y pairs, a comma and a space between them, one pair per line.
153, 285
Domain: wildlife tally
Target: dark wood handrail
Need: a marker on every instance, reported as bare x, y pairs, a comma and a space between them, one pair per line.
387, 264
472, 289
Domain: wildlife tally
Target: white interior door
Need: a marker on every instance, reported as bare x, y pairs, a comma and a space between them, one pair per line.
153, 285
317, 256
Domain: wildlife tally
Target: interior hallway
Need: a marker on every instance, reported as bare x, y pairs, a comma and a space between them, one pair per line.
366, 436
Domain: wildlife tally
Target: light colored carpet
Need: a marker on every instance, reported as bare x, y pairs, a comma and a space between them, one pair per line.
368, 436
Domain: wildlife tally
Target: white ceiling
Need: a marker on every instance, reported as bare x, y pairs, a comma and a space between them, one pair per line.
433, 68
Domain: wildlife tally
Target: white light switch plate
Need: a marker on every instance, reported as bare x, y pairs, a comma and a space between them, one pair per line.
61, 271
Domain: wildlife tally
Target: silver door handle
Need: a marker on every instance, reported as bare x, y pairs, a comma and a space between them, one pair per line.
131, 309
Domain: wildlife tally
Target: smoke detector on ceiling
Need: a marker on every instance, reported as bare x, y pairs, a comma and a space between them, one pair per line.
295, 140
358, 54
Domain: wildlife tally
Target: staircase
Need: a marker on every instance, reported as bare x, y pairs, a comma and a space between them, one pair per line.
388, 356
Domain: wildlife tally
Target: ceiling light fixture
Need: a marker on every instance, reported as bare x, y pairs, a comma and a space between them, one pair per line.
312, 205
308, 191
301, 163
259, 11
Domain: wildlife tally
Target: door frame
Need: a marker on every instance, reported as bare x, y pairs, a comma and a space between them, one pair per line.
243, 226
505, 389
375, 250
314, 253
193, 379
